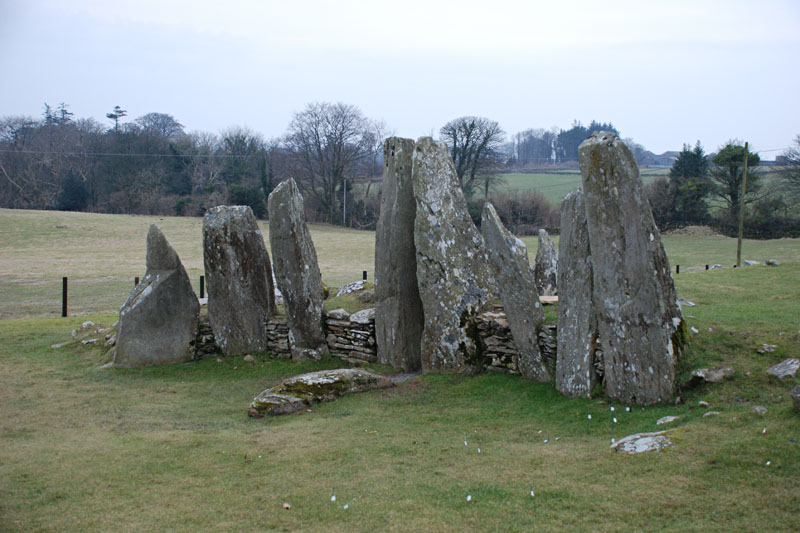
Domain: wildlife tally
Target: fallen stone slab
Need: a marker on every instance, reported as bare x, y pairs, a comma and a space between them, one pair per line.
786, 368
299, 392
667, 420
353, 286
643, 442
701, 376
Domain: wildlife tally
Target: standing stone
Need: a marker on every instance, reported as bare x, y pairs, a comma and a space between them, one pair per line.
158, 322
452, 267
577, 323
297, 272
545, 270
398, 307
239, 279
509, 257
639, 321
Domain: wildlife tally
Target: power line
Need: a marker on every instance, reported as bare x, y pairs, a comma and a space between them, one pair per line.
112, 154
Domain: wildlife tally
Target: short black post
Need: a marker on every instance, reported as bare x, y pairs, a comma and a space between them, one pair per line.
706, 267
364, 273
734, 266
64, 297
677, 269
202, 286
136, 281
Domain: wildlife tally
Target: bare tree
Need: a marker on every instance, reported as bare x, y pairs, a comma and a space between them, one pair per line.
327, 143
475, 145
790, 173
161, 125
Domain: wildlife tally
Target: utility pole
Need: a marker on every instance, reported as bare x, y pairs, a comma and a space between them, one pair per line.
741, 209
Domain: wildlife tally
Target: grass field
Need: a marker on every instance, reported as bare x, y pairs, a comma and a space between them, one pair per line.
557, 184
84, 448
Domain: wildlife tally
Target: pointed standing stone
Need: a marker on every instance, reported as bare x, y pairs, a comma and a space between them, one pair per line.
158, 322
239, 279
297, 271
398, 308
633, 294
545, 268
509, 257
452, 267
577, 323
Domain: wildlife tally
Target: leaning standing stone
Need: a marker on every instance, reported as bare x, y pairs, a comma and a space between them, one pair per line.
398, 308
297, 272
509, 258
545, 270
452, 267
158, 322
577, 323
639, 321
239, 279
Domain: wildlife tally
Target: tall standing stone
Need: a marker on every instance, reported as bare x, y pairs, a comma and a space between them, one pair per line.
158, 322
545, 270
633, 294
452, 268
296, 271
398, 307
509, 257
577, 323
239, 279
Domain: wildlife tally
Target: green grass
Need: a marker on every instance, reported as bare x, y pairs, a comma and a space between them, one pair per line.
171, 448
555, 185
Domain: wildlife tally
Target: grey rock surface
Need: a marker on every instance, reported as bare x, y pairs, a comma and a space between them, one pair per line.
642, 442
578, 346
158, 322
297, 272
786, 368
545, 269
299, 392
667, 420
633, 294
701, 376
509, 258
399, 315
453, 273
238, 279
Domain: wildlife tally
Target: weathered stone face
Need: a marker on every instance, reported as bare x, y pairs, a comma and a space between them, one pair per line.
158, 322
577, 323
633, 294
545, 270
452, 268
509, 258
297, 271
239, 279
398, 307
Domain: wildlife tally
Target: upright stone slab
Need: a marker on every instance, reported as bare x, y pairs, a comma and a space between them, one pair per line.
509, 258
239, 279
158, 322
296, 271
398, 308
577, 323
633, 294
452, 268
545, 270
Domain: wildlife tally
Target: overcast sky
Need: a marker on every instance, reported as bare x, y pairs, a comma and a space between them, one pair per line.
663, 72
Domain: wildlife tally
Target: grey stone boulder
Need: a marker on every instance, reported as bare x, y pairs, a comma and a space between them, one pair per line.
158, 322
796, 398
238, 278
455, 282
667, 420
641, 329
349, 288
399, 315
545, 269
578, 346
772, 262
748, 262
297, 272
509, 258
701, 376
300, 392
365, 316
786, 368
642, 442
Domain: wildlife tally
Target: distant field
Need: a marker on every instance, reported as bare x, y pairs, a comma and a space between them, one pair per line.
556, 185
